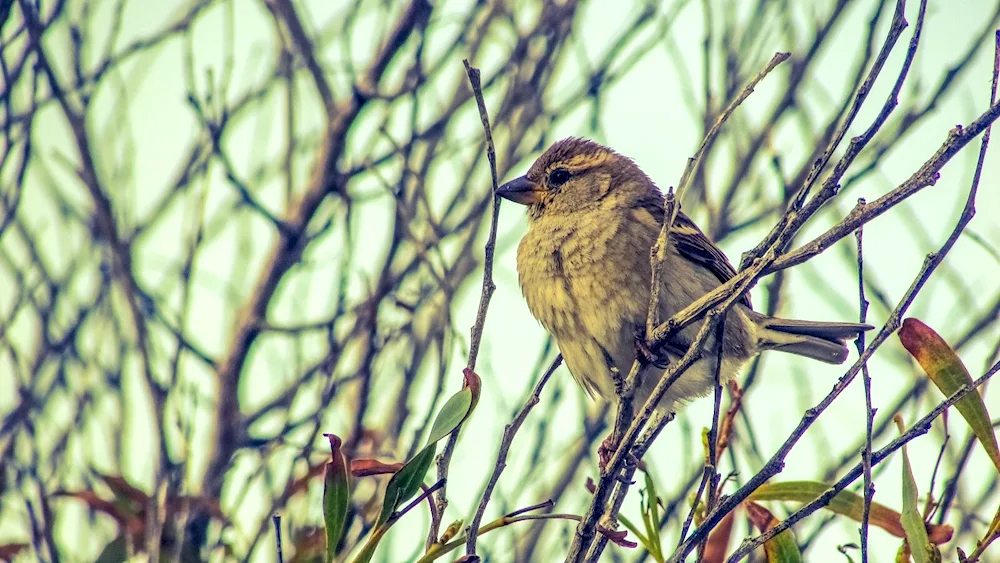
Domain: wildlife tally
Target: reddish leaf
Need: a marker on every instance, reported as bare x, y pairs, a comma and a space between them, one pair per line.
591, 486
475, 384
368, 467
718, 540
948, 373
617, 537
782, 547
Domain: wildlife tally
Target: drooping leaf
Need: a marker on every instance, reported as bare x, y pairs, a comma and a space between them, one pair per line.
921, 548
336, 496
369, 467
718, 541
617, 537
782, 547
847, 504
948, 373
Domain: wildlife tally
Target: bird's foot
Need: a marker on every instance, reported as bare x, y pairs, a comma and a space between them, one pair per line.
645, 355
605, 451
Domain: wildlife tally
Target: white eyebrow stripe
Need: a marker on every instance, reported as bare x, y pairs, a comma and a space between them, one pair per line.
588, 160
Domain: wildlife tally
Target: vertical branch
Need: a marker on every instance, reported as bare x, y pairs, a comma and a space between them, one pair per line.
967, 213
711, 467
866, 452
444, 459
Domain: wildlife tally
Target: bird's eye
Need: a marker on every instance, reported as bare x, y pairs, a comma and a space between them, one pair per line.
558, 177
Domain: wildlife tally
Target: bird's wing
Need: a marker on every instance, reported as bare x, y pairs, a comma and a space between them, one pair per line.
692, 243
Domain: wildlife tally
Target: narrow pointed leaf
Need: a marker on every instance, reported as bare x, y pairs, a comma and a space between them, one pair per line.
457, 409
782, 547
369, 467
631, 527
336, 496
922, 550
718, 541
948, 373
654, 514
405, 483
847, 504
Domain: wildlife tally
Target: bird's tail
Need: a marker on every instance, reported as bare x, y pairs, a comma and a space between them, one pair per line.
821, 341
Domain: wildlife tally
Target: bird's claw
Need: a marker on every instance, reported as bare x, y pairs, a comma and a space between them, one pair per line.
604, 452
643, 352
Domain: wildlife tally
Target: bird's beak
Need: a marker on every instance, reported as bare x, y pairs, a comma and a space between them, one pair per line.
521, 190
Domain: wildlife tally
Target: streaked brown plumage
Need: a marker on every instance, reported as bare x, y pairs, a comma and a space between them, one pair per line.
584, 270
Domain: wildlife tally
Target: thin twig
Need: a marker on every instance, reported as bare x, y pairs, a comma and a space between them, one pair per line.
791, 217
694, 163
711, 467
866, 452
444, 459
472, 532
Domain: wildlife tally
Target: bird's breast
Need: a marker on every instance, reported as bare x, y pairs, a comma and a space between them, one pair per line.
585, 275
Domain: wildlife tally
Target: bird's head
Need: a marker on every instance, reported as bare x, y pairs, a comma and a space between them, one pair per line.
576, 175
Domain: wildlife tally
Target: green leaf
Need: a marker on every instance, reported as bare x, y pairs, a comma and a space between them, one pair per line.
782, 547
651, 514
847, 504
921, 548
406, 482
631, 527
336, 496
458, 407
948, 373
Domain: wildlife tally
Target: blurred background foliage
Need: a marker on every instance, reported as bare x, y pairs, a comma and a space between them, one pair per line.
229, 226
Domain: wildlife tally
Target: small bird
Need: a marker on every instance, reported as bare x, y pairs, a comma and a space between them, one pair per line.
584, 270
